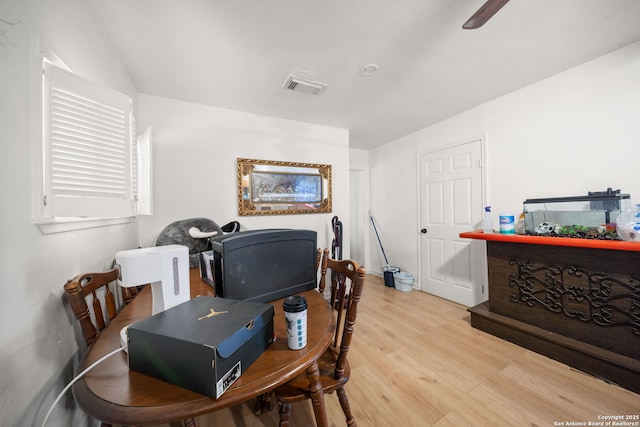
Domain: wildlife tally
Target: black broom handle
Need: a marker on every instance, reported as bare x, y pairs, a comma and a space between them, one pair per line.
376, 231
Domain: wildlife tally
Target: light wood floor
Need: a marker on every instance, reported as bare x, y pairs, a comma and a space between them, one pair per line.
416, 361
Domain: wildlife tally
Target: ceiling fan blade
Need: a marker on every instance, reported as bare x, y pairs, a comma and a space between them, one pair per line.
484, 14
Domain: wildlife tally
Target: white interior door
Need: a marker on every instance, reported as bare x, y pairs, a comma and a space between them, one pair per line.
356, 231
450, 203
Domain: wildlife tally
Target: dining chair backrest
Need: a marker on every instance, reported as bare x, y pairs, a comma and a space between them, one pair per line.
347, 283
95, 290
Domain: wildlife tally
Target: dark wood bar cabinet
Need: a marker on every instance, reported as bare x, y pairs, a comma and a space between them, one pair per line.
574, 300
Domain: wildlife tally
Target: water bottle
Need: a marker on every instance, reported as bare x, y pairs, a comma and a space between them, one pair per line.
295, 314
487, 223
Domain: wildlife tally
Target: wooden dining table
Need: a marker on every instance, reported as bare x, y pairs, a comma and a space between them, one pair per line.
112, 393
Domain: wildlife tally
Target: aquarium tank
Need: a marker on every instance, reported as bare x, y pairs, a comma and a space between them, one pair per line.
590, 216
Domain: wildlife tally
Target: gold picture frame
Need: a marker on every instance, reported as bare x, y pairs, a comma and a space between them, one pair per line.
271, 187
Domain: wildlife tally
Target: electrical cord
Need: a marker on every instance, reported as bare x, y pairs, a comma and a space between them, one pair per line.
74, 380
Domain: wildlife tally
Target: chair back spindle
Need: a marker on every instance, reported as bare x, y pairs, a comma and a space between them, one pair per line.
321, 265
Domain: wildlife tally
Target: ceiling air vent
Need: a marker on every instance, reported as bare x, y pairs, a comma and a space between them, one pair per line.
305, 86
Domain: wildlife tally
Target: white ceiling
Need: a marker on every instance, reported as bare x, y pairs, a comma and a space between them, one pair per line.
237, 53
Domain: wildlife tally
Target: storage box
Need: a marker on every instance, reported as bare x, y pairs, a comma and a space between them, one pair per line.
591, 215
203, 345
206, 267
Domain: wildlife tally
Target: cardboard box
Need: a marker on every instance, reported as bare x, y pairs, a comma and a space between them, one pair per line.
203, 344
206, 267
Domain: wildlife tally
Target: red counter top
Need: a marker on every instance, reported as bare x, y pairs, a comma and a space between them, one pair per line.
616, 245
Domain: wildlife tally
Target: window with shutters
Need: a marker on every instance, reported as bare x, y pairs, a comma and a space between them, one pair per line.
87, 138
87, 152
143, 173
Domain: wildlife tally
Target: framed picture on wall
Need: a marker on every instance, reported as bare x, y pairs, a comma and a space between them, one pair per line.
270, 187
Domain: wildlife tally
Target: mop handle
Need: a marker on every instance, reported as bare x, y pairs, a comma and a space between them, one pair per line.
376, 231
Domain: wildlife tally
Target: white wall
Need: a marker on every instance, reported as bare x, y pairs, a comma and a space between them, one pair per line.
572, 133
194, 161
39, 341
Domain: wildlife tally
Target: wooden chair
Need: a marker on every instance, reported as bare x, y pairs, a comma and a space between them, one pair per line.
264, 401
86, 285
346, 290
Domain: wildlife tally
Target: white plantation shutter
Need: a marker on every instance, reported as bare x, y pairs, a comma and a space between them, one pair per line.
87, 156
143, 172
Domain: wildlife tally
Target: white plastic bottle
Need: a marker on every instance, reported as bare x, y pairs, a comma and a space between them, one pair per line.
487, 222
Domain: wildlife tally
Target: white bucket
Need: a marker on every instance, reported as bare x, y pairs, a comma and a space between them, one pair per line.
403, 281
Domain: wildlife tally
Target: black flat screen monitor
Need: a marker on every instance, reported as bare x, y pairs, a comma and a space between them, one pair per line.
264, 265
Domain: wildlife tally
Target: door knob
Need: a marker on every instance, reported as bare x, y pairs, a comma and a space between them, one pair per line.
423, 231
